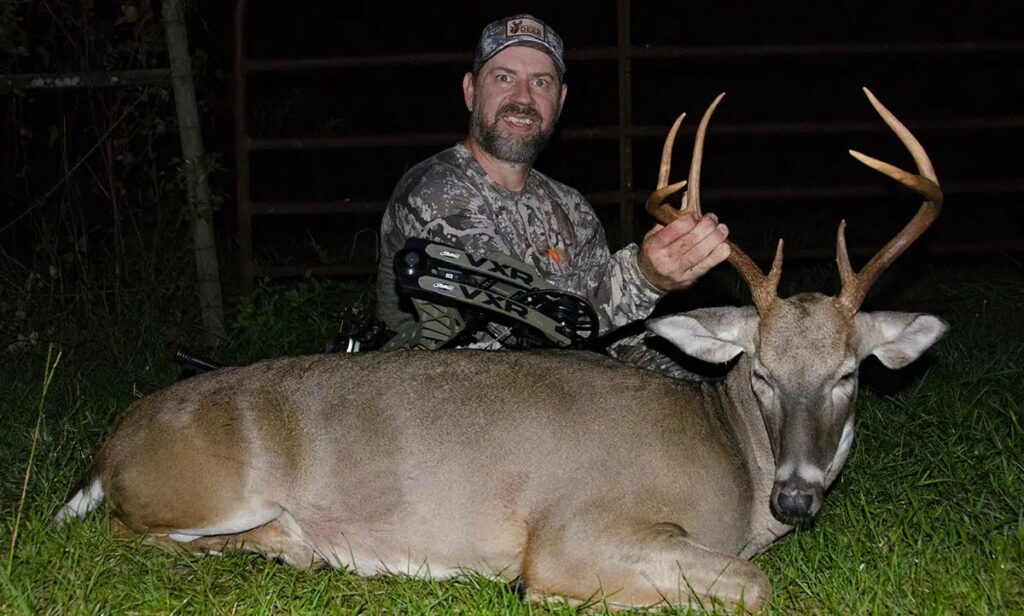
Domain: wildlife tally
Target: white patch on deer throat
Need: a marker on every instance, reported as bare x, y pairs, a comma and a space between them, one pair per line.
84, 501
845, 442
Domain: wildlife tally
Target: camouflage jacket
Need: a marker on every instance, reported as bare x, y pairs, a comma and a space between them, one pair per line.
450, 198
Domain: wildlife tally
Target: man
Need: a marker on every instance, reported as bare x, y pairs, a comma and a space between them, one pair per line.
484, 195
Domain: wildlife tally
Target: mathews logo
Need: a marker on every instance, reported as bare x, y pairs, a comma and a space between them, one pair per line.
450, 254
525, 26
443, 286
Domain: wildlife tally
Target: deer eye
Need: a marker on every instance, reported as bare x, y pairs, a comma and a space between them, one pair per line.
846, 379
842, 391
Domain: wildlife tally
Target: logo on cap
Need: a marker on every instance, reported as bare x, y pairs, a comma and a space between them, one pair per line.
529, 27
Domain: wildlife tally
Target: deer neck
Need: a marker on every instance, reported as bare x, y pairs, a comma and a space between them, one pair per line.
742, 413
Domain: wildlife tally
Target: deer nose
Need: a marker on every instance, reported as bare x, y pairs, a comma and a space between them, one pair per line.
795, 504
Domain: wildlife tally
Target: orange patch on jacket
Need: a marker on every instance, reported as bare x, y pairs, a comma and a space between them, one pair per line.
556, 255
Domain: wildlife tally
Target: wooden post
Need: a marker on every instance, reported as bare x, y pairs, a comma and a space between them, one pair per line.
198, 186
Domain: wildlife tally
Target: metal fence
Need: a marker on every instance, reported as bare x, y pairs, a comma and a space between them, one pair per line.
987, 127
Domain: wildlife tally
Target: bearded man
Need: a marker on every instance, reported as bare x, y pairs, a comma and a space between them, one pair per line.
484, 195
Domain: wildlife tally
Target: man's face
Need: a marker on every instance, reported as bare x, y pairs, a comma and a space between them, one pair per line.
515, 100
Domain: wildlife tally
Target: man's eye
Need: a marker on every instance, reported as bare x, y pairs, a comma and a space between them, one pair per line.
504, 78
540, 83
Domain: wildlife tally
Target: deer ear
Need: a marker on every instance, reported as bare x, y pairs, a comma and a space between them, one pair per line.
713, 335
897, 338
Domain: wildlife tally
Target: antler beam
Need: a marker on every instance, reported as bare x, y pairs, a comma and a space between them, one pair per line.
763, 289
925, 183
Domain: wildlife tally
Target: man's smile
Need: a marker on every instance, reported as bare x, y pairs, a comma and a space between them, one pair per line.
519, 122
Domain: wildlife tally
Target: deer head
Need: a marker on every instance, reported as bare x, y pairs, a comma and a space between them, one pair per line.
803, 352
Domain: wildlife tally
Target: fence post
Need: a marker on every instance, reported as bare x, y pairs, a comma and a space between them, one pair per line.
198, 186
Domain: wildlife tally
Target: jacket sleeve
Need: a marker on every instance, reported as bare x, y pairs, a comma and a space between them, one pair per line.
613, 282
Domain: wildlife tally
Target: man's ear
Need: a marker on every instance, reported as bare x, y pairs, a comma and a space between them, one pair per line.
468, 90
561, 101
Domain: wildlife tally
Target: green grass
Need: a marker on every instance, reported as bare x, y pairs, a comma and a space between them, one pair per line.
927, 518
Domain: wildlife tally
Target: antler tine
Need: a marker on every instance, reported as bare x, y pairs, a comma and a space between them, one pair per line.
656, 203
693, 194
666, 151
763, 288
925, 183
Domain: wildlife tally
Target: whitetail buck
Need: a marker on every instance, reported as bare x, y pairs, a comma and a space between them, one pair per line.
580, 476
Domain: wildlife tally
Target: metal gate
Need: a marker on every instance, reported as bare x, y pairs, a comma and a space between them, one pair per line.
634, 62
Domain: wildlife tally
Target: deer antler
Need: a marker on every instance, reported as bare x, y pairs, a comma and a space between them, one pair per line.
926, 184
763, 288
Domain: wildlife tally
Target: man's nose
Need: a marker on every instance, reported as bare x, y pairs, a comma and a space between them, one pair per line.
522, 91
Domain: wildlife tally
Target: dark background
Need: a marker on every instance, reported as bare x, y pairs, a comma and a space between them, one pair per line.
793, 74
776, 150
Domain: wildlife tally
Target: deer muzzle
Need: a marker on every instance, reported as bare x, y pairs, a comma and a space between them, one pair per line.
797, 500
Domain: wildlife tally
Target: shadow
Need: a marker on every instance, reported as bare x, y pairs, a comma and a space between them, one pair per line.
884, 381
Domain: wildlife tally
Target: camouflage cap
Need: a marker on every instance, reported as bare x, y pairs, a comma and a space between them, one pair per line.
518, 30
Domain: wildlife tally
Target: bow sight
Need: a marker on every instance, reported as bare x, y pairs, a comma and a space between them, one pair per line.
455, 292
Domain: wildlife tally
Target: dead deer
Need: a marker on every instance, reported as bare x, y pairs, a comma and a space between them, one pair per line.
583, 477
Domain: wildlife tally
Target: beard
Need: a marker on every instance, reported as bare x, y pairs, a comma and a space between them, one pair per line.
516, 149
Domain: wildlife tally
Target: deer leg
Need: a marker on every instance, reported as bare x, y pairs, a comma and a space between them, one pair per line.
277, 539
637, 565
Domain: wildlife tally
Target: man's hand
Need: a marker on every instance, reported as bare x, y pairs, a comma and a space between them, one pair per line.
675, 256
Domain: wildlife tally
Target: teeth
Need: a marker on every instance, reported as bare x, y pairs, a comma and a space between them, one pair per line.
518, 121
